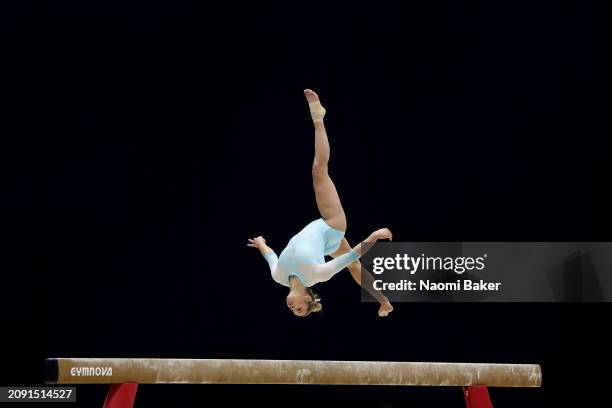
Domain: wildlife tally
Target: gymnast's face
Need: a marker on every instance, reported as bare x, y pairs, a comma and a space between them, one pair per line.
298, 303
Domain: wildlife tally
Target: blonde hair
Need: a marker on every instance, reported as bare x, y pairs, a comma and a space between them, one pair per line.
315, 305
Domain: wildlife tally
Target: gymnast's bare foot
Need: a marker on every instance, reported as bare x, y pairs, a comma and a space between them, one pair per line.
385, 309
317, 111
311, 95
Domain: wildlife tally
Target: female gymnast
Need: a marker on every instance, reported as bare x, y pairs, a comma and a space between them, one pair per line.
302, 263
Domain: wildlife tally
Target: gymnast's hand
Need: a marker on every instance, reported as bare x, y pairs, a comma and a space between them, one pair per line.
257, 242
383, 233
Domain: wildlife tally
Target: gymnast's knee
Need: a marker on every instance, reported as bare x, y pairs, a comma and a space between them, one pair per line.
319, 169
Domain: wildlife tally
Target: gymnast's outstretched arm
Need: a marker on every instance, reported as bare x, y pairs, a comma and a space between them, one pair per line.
359, 274
328, 269
267, 252
364, 278
383, 233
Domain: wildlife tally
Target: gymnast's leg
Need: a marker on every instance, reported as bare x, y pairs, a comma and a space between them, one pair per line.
326, 195
364, 279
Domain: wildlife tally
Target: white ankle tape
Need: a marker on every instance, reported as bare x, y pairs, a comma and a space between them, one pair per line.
317, 111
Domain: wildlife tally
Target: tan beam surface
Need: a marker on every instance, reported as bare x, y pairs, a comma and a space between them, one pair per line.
198, 371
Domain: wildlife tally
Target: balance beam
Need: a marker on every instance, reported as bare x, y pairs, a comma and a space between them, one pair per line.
216, 371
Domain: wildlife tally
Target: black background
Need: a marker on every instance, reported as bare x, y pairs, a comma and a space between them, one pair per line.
142, 145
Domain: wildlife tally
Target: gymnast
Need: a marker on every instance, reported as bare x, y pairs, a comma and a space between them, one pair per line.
302, 263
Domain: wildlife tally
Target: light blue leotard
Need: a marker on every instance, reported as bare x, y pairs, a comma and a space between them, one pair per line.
304, 256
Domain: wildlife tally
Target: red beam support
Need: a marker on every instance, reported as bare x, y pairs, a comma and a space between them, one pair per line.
477, 396
121, 396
